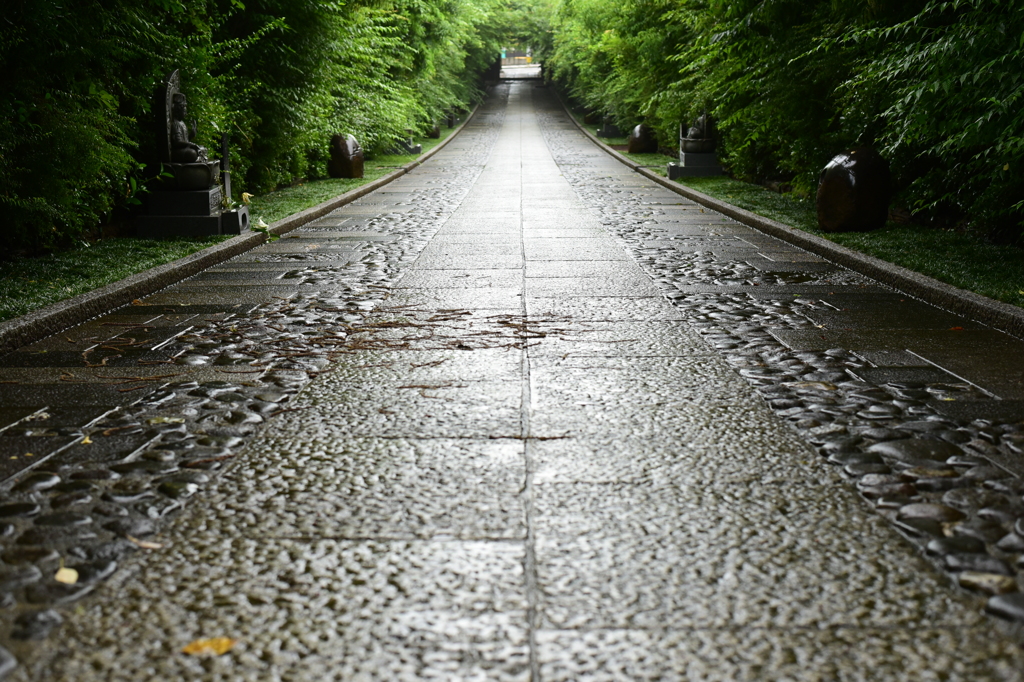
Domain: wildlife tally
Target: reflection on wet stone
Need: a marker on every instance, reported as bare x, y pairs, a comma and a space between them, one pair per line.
431, 457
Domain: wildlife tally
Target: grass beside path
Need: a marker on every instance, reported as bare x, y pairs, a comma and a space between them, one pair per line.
28, 284
962, 260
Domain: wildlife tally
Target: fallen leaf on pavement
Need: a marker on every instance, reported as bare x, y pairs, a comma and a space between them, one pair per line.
68, 576
206, 647
144, 544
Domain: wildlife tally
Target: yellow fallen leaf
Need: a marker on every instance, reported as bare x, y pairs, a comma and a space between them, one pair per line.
68, 576
205, 647
87, 441
144, 544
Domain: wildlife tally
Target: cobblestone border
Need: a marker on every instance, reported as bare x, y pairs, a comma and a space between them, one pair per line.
1001, 316
55, 318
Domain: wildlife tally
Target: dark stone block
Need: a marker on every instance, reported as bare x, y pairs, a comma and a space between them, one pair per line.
854, 192
693, 165
160, 227
235, 221
202, 202
346, 158
609, 129
642, 140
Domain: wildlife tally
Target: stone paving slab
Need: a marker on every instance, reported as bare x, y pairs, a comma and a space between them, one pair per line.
449, 456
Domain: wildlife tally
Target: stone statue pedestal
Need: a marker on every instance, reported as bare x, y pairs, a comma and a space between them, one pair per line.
609, 129
192, 176
406, 147
693, 165
697, 158
190, 213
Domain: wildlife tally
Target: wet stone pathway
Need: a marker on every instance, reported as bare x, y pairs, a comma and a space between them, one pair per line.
524, 415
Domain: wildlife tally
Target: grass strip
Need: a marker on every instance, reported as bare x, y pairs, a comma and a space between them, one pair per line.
28, 284
963, 260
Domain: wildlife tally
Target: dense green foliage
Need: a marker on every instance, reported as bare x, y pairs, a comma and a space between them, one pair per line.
935, 85
279, 76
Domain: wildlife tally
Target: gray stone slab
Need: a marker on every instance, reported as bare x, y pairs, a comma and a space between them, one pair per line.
435, 250
468, 261
572, 269
921, 375
891, 317
573, 249
604, 309
408, 616
734, 653
893, 358
668, 570
504, 300
639, 286
462, 279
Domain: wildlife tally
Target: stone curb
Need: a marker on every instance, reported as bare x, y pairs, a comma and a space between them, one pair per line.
55, 318
1001, 316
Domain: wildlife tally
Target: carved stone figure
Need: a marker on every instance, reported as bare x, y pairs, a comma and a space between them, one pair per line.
346, 158
642, 140
183, 149
854, 190
700, 138
184, 159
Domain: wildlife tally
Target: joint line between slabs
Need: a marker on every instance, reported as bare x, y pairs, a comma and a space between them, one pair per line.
530, 557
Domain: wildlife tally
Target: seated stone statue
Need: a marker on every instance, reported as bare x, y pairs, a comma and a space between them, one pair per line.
185, 160
346, 157
183, 150
700, 138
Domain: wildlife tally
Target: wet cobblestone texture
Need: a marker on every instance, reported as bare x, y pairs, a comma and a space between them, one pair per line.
523, 415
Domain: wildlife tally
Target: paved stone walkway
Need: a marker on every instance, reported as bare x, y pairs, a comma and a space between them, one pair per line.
531, 417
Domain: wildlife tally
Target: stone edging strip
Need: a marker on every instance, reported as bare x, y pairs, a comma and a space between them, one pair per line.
55, 318
1002, 316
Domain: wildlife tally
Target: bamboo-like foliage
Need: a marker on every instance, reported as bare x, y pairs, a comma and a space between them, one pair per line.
935, 85
280, 76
